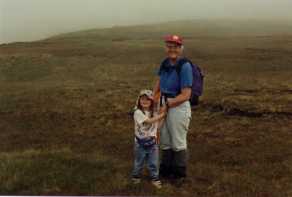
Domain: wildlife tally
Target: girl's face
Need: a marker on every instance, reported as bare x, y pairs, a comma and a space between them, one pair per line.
173, 50
145, 102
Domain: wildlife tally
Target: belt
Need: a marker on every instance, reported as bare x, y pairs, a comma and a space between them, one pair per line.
165, 96
168, 95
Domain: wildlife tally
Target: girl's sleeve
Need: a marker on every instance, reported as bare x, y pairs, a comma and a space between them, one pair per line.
140, 117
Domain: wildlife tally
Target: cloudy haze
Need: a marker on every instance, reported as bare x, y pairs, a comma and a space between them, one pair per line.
25, 20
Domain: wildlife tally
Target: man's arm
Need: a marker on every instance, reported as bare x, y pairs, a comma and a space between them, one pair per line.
185, 95
156, 90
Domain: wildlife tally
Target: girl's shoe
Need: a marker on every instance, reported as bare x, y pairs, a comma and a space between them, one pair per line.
157, 184
136, 180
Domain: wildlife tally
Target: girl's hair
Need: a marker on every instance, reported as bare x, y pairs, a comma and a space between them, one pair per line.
151, 106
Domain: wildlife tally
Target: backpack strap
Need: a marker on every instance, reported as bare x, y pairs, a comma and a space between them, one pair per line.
163, 64
180, 63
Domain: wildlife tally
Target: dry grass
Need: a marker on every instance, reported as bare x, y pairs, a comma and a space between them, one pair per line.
64, 109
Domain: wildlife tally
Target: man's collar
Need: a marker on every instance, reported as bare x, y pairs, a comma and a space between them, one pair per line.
177, 60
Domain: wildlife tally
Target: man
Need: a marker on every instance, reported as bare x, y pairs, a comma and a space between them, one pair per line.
175, 89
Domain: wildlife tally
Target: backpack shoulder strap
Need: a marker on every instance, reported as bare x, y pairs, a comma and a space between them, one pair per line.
180, 63
164, 63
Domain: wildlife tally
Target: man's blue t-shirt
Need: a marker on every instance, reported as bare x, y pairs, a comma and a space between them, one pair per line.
171, 83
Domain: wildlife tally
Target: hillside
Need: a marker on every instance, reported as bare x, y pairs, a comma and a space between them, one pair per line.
64, 103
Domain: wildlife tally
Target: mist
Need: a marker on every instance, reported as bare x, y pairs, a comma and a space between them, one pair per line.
29, 20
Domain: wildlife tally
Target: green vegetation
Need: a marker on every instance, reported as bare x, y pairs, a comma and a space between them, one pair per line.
64, 103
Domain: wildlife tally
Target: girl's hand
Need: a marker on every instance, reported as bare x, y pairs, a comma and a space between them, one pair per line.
163, 114
163, 109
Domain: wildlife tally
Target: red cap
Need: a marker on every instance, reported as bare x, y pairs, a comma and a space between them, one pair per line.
173, 38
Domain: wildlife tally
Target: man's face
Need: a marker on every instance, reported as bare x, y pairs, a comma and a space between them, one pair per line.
145, 102
173, 50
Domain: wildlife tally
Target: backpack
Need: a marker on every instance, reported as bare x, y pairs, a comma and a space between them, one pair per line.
198, 79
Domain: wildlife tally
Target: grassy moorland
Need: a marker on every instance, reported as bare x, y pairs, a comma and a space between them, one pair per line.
64, 103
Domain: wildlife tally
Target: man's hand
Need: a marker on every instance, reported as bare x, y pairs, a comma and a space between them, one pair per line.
163, 114
184, 96
156, 91
163, 109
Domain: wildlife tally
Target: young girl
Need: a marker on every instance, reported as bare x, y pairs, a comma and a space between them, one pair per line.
146, 147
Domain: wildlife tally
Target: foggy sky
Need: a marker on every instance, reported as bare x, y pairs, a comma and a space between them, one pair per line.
25, 20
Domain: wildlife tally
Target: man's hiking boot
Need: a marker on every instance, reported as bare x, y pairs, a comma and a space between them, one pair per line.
180, 182
179, 164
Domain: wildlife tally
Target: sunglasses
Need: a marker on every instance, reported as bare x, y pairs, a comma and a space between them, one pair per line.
173, 46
